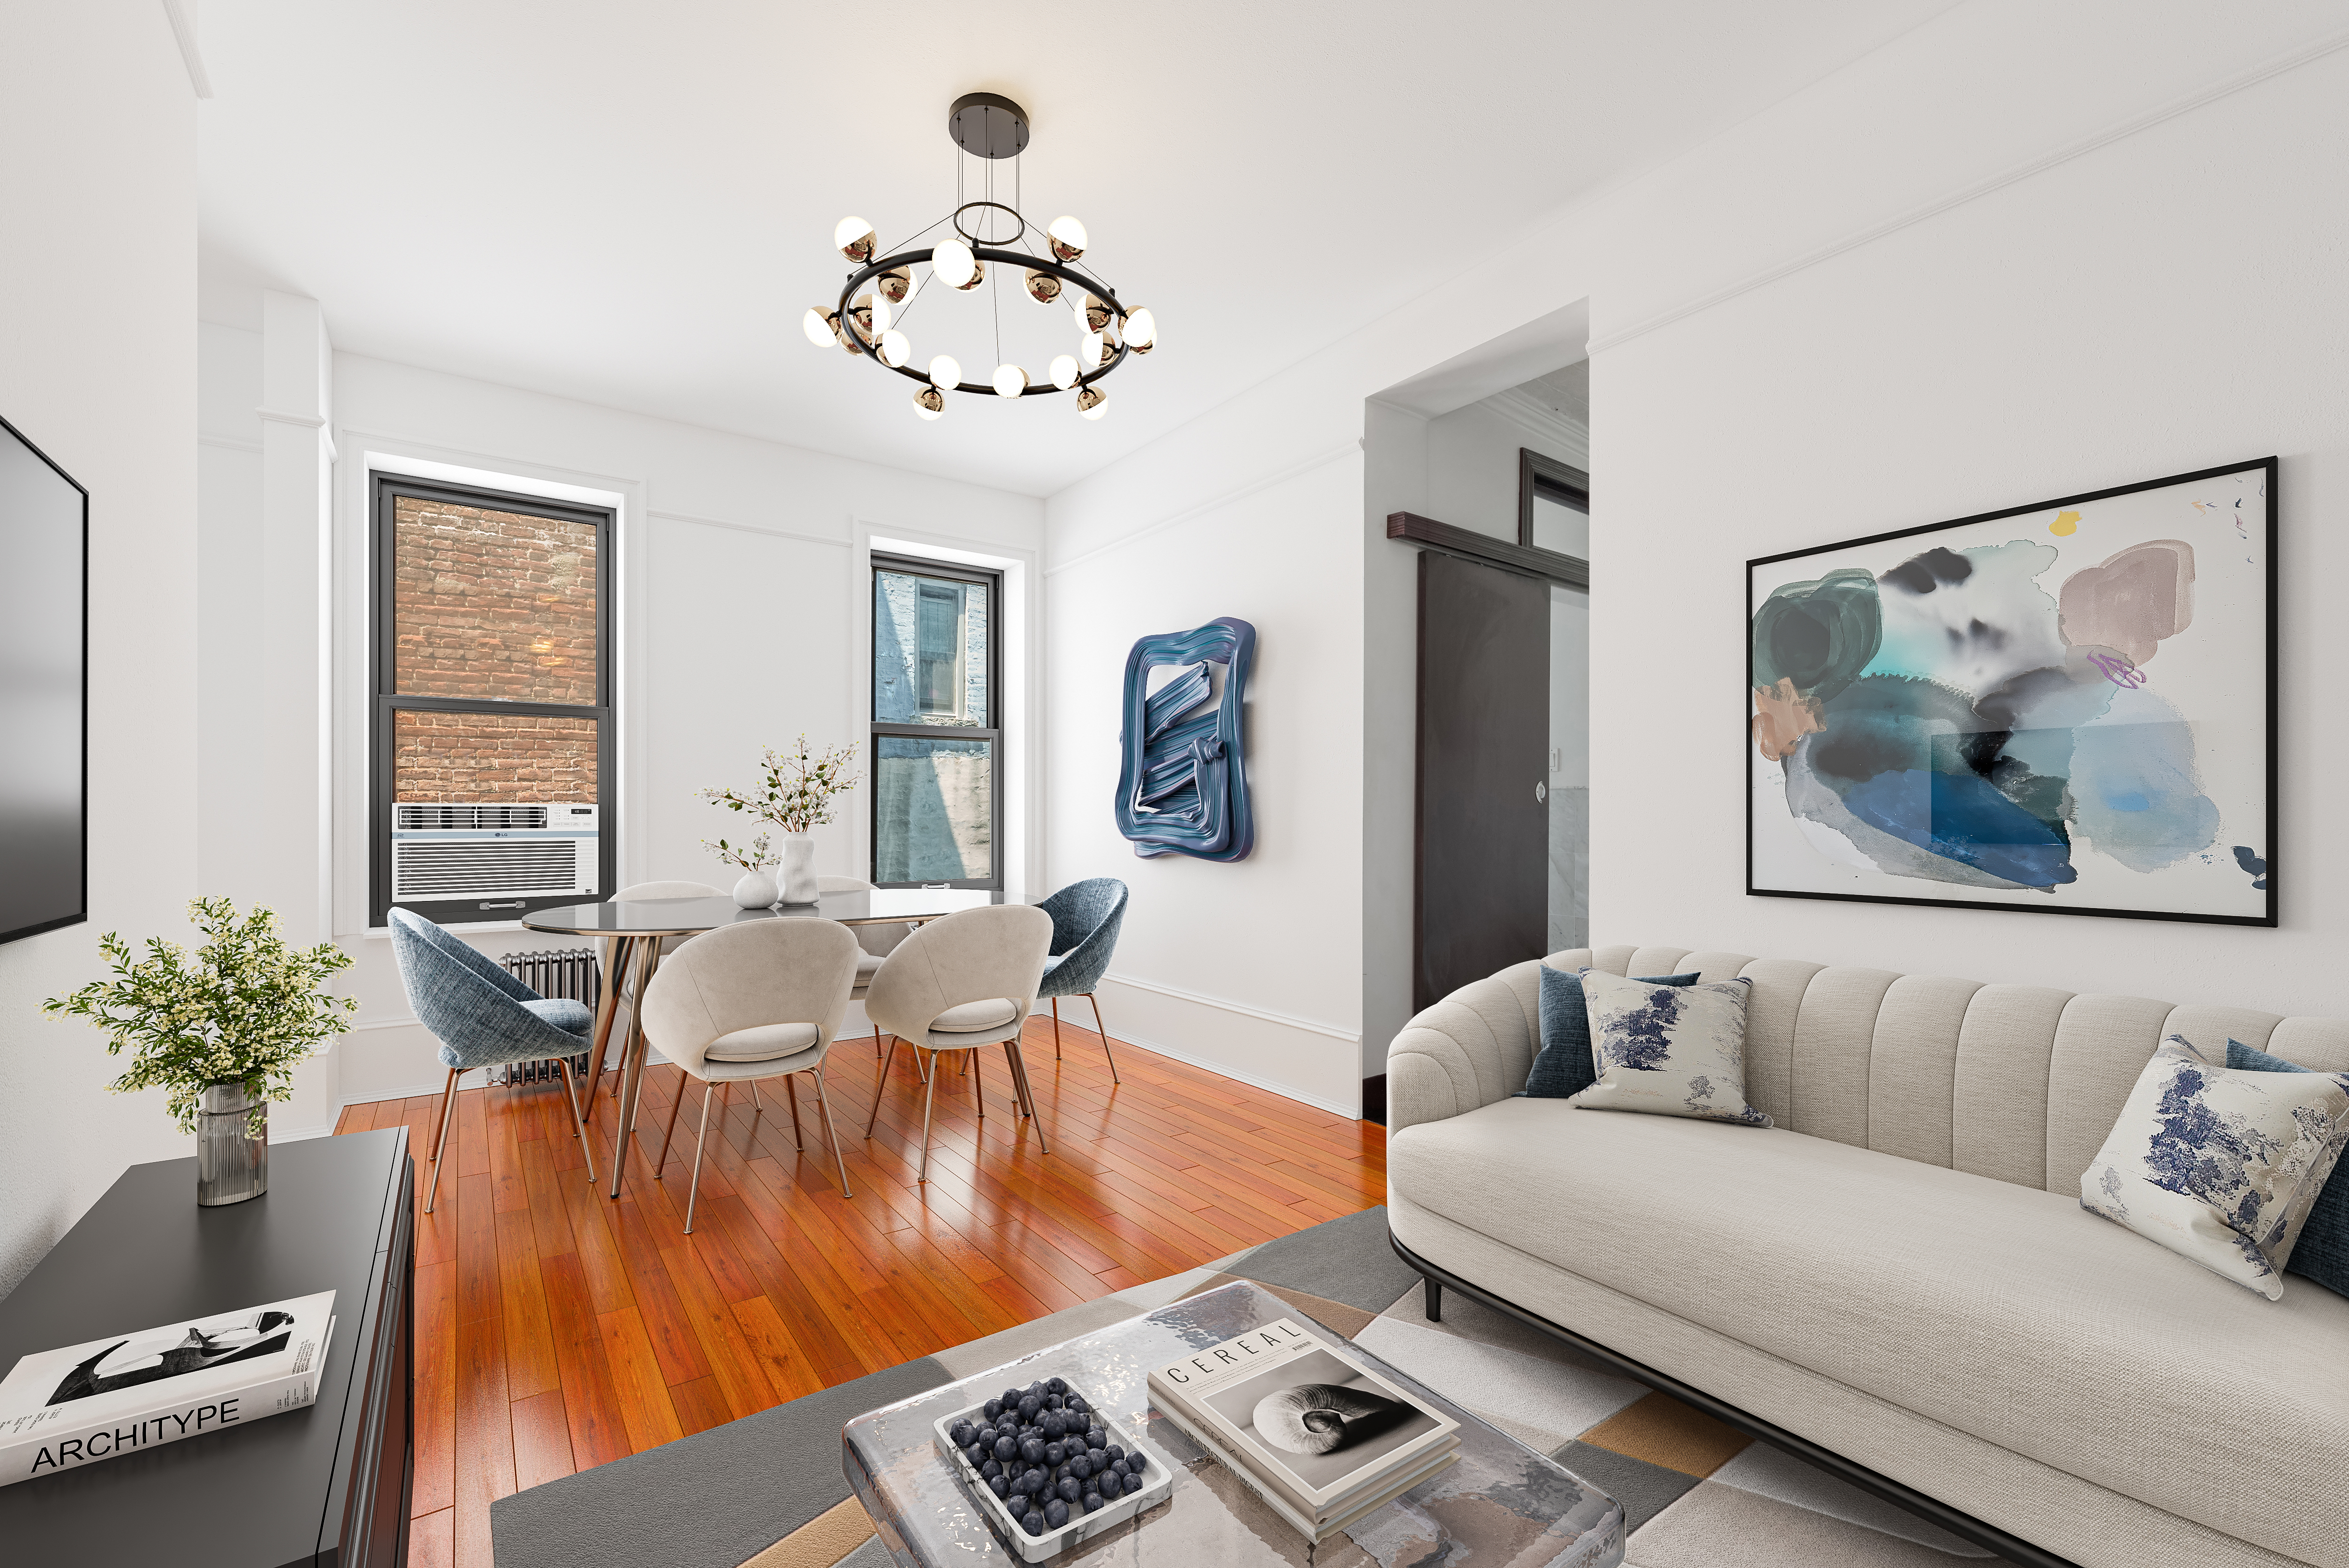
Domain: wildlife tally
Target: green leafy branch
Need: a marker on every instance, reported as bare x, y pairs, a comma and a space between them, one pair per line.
795, 790
244, 1012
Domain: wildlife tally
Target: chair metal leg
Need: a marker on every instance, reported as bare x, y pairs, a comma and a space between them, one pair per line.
578, 1114
1056, 1028
675, 1106
694, 1195
794, 1096
978, 1094
823, 1103
633, 1063
448, 1104
1019, 1067
931, 1093
607, 1005
1018, 1089
1104, 1034
880, 1085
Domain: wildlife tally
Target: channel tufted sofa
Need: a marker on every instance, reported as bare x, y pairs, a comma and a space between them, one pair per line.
1898, 1279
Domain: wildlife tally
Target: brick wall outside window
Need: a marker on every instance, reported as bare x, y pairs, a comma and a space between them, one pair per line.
493, 604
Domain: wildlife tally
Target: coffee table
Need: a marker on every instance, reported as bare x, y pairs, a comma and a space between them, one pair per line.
1499, 1505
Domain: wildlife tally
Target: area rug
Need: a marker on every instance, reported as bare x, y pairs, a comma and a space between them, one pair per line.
767, 1492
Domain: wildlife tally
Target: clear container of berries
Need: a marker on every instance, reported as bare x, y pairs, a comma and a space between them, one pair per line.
1049, 1468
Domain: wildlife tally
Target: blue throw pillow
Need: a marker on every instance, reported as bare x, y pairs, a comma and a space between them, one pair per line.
2321, 1253
1565, 1067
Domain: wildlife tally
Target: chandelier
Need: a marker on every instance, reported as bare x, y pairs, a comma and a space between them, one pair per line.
869, 319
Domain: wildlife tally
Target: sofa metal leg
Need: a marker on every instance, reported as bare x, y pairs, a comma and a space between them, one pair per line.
1433, 1293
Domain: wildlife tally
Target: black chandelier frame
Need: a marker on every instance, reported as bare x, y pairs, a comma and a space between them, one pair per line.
1067, 274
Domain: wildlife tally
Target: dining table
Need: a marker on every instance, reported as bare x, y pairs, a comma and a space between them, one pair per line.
634, 932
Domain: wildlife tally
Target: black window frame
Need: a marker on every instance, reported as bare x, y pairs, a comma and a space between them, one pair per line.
384, 489
878, 729
1544, 476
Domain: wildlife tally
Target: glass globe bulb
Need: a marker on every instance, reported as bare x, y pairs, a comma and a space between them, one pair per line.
881, 312
1093, 351
1092, 402
1140, 330
1064, 371
895, 349
953, 264
855, 238
821, 326
946, 373
1010, 381
1067, 238
929, 403
1042, 287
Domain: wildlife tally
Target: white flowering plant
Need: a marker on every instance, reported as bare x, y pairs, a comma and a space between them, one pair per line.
753, 856
244, 1012
796, 789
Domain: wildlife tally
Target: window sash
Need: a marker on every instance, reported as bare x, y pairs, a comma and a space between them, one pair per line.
387, 702
925, 670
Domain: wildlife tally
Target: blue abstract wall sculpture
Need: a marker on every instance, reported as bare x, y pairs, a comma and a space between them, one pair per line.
1182, 784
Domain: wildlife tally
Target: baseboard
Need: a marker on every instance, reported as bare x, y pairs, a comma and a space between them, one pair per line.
1225, 1070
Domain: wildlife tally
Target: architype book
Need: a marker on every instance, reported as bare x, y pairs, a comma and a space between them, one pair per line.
63, 1409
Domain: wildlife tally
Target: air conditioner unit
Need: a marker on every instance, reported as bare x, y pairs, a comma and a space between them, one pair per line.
493, 855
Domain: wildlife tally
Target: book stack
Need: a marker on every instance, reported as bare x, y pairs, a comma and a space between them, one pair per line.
60, 1410
1323, 1438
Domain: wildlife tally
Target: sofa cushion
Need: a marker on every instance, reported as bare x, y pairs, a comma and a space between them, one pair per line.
1669, 1050
1564, 1069
2219, 1167
1999, 1310
2323, 1254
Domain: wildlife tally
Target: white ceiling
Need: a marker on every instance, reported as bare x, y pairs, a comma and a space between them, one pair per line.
632, 203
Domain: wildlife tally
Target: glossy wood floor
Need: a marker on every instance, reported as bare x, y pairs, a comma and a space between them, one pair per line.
557, 1329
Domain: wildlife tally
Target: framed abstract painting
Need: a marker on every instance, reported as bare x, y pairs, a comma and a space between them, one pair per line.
2067, 707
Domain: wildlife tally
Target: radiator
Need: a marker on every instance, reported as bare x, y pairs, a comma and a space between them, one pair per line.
571, 972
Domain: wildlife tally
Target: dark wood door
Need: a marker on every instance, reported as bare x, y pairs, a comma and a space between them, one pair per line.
1482, 887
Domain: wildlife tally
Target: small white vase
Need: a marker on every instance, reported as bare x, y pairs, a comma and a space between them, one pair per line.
755, 889
799, 869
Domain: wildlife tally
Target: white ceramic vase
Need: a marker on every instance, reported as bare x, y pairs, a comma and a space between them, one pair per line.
799, 869
755, 889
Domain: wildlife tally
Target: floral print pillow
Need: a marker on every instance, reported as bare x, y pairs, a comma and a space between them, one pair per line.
2220, 1167
1669, 1050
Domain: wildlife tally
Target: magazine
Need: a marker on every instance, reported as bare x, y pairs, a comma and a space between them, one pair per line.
63, 1409
1305, 1420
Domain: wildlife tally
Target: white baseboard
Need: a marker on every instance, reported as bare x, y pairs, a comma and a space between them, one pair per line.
1225, 1070
1287, 1021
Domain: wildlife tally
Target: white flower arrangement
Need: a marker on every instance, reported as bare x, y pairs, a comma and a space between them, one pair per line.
756, 855
245, 1012
795, 792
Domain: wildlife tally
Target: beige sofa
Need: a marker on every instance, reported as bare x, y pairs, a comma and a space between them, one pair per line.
1900, 1272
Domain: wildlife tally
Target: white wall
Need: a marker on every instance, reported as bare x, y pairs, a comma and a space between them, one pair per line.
742, 599
1472, 461
2019, 252
97, 357
1247, 967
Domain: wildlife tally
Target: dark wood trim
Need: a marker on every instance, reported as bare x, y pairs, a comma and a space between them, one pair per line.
1375, 1099
1525, 559
1965, 1526
1538, 474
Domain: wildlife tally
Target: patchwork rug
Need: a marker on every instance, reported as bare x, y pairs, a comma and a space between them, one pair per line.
767, 1492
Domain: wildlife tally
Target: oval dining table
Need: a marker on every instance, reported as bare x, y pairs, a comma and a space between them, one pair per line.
637, 928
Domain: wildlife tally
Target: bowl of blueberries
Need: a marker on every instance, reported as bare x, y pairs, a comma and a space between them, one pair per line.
1049, 1468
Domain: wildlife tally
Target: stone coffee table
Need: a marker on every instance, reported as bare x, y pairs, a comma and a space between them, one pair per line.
1498, 1505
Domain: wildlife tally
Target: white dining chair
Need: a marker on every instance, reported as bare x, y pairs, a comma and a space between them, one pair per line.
956, 984
625, 994
762, 999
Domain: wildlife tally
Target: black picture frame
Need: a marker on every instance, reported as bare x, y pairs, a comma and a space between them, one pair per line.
80, 598
2265, 540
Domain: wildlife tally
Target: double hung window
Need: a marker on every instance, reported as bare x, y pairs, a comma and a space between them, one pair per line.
937, 738
491, 744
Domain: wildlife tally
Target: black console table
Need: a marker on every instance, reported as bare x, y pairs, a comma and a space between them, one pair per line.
324, 1487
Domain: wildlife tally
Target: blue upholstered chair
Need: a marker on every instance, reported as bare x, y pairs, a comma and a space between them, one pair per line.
484, 1018
1085, 918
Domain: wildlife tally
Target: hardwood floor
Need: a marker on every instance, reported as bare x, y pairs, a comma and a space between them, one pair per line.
556, 1329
